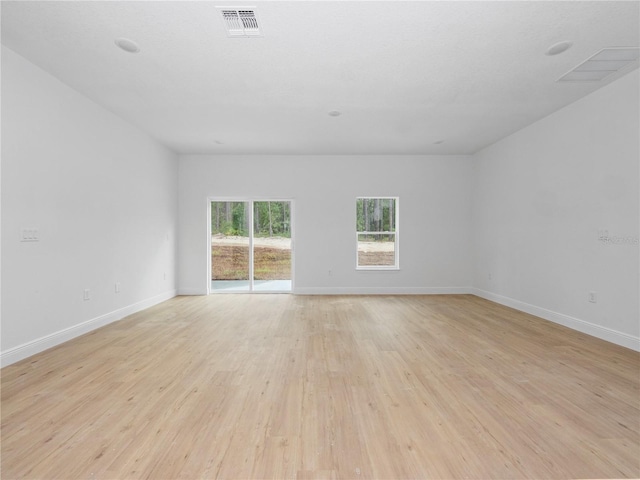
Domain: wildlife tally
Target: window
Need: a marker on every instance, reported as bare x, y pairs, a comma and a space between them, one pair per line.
377, 233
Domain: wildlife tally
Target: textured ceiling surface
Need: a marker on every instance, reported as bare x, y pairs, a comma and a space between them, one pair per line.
443, 77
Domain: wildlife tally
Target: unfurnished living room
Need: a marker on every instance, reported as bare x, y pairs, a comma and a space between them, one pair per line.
320, 240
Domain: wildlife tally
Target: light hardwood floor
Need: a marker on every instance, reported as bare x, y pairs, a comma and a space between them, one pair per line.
282, 386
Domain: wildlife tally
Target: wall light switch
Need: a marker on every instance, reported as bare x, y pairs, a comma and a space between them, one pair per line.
29, 235
593, 297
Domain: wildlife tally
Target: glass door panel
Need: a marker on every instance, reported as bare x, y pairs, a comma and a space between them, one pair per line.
230, 246
272, 246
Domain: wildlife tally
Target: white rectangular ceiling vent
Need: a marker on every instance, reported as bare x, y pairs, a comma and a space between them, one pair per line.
240, 22
604, 63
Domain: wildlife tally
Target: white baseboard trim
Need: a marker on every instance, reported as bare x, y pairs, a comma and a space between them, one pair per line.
191, 291
382, 291
603, 333
41, 344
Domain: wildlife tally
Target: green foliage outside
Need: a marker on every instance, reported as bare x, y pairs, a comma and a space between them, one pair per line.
376, 215
270, 219
273, 219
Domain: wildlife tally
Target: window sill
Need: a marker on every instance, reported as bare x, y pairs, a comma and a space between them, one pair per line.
377, 269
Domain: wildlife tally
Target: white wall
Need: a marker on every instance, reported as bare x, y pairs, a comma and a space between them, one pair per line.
541, 197
526, 211
435, 217
104, 198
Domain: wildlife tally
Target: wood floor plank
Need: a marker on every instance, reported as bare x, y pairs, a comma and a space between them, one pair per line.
310, 387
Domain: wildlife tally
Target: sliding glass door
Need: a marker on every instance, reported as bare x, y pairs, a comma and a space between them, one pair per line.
272, 246
230, 246
251, 246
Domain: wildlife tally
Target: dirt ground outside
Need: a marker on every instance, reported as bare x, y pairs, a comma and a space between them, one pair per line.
230, 258
281, 243
272, 257
376, 254
376, 258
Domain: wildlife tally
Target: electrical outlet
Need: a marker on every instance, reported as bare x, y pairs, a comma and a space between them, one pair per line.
593, 297
87, 294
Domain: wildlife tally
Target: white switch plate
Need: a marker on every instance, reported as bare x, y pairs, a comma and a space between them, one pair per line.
593, 297
87, 294
29, 235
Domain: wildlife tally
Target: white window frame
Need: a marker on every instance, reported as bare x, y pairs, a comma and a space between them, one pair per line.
396, 234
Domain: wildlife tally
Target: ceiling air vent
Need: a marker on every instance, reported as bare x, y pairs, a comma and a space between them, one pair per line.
604, 63
241, 22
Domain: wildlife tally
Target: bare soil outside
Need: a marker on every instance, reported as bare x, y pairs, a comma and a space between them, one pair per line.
231, 262
272, 257
376, 258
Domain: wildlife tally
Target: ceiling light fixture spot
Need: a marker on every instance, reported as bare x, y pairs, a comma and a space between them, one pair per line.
559, 48
335, 113
127, 45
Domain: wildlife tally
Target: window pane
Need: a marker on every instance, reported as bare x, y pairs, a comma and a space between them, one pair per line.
230, 245
272, 241
376, 214
377, 230
376, 249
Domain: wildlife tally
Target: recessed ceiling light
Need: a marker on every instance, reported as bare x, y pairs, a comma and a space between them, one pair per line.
127, 45
438, 142
558, 48
334, 113
218, 142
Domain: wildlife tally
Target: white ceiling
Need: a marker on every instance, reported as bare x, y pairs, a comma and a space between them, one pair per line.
404, 75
